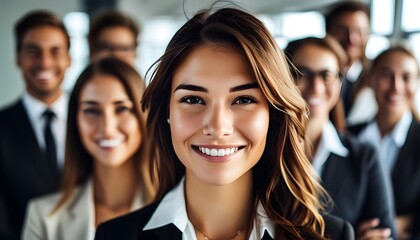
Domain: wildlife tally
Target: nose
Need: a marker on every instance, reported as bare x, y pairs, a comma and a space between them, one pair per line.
316, 84
397, 83
108, 123
218, 122
45, 60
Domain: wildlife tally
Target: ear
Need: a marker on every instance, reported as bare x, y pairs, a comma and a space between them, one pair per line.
18, 63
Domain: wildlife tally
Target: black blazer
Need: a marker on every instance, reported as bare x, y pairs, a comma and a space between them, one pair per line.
406, 176
356, 184
130, 227
24, 171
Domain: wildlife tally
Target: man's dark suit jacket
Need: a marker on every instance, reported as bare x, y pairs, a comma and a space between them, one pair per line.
356, 184
130, 227
406, 175
24, 171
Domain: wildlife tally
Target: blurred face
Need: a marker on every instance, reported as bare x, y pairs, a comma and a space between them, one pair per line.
320, 83
107, 122
352, 31
218, 115
44, 59
395, 80
118, 42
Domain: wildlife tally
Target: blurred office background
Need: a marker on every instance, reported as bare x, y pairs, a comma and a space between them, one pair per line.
393, 21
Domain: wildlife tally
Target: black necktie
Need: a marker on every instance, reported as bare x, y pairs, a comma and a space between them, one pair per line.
50, 147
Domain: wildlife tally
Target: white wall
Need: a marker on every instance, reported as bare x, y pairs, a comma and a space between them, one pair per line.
11, 82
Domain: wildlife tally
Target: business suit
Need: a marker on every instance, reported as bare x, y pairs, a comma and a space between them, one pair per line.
356, 184
24, 170
74, 220
405, 175
130, 227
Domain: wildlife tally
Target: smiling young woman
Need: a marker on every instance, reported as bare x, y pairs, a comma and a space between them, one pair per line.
227, 123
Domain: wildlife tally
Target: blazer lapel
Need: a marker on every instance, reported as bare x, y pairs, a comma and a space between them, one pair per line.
169, 231
78, 219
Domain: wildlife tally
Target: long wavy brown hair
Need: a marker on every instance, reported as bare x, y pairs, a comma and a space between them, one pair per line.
283, 179
78, 165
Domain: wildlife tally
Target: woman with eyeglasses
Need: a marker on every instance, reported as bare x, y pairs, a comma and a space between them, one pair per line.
349, 170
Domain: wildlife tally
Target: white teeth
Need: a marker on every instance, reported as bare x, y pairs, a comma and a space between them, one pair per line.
45, 75
217, 152
110, 142
314, 101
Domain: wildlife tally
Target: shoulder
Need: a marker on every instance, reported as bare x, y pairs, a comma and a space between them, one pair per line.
44, 205
337, 228
128, 226
358, 151
10, 109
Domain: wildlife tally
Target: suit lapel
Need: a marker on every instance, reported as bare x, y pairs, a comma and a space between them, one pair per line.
169, 231
78, 219
25, 134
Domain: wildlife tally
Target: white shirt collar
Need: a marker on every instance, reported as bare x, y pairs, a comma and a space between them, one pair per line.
166, 213
354, 71
329, 143
36, 108
400, 131
398, 134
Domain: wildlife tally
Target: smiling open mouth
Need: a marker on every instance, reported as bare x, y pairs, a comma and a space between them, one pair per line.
218, 152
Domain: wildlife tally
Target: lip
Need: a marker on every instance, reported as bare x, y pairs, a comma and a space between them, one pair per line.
218, 159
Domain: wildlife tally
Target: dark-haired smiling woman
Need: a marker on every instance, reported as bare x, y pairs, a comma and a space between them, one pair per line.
227, 123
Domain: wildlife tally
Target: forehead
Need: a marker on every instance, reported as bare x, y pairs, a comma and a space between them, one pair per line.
315, 56
211, 62
116, 34
103, 87
399, 60
357, 18
45, 35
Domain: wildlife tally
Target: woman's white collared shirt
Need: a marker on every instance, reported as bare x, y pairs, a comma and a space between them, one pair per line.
74, 220
172, 209
329, 143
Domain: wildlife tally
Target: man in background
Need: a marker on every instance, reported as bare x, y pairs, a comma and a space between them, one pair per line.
349, 23
32, 129
113, 34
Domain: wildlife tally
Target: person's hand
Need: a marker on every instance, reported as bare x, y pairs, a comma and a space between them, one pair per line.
403, 225
368, 230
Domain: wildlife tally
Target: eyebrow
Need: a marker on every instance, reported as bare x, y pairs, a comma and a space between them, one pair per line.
91, 102
196, 88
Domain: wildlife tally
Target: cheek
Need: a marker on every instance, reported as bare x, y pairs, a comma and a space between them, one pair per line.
183, 125
85, 129
254, 126
132, 129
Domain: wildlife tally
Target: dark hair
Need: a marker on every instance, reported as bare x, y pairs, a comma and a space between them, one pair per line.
328, 43
342, 8
34, 19
111, 18
283, 179
78, 166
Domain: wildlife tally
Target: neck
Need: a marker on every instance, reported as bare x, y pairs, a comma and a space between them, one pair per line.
47, 98
219, 212
386, 122
114, 187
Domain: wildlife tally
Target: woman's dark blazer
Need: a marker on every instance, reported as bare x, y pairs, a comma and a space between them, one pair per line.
356, 184
130, 227
406, 176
